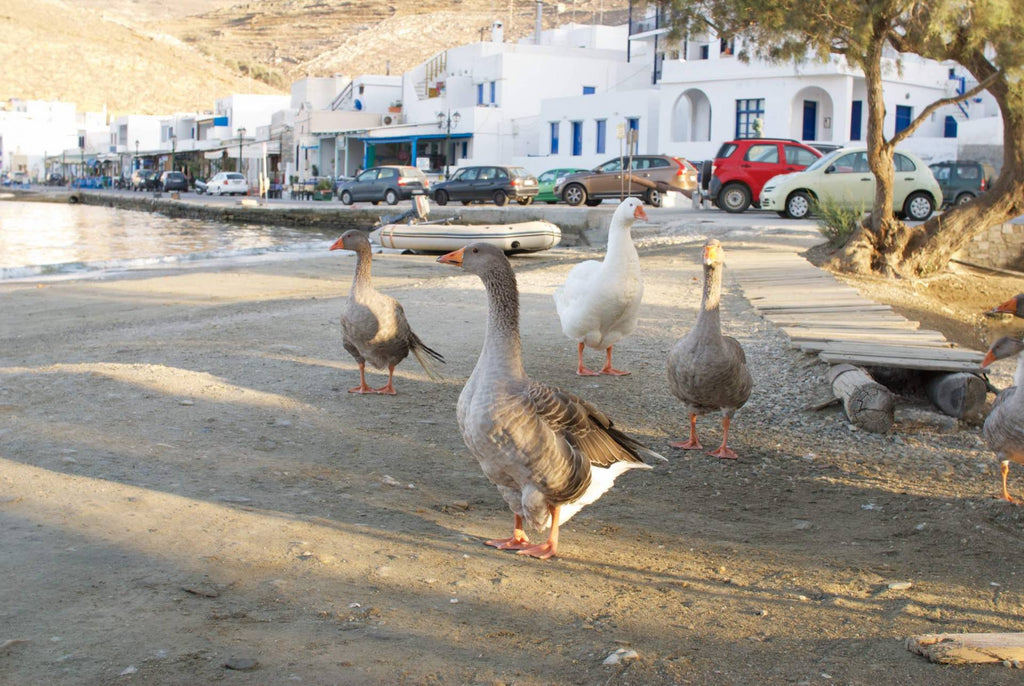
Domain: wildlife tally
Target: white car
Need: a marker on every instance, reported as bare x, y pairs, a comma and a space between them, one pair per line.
842, 176
227, 183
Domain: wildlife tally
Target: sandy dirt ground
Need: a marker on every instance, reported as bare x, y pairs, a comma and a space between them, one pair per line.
188, 495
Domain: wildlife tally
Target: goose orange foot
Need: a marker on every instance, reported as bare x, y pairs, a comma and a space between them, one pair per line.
541, 551
724, 452
692, 443
609, 369
516, 541
362, 389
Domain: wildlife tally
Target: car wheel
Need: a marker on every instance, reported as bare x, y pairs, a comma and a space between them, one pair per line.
798, 205
500, 199
346, 198
375, 202
918, 207
390, 197
441, 198
963, 198
734, 198
592, 202
653, 197
783, 215
574, 194
525, 201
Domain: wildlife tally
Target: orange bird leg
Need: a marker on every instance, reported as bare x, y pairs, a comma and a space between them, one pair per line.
362, 387
388, 388
693, 443
608, 368
580, 369
548, 548
516, 541
723, 450
1004, 469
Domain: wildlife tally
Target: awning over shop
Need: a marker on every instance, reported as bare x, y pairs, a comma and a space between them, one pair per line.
374, 140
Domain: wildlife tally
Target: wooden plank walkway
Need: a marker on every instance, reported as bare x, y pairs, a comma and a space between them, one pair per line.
821, 315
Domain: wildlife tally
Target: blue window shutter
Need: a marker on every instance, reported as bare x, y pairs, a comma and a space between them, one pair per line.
602, 128
589, 90
577, 138
856, 115
479, 94
554, 138
494, 88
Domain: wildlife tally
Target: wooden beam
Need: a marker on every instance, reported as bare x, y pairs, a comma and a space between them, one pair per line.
968, 649
878, 361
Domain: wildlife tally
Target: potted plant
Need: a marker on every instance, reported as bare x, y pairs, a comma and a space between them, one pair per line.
323, 190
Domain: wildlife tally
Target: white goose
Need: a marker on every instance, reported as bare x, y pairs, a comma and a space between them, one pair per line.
599, 302
373, 325
1004, 426
548, 451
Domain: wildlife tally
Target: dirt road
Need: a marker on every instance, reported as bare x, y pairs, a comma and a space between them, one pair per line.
189, 496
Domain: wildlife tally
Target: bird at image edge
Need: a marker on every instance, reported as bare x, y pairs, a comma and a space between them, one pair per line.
1004, 426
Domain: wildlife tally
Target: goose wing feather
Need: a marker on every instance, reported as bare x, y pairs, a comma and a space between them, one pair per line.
1004, 426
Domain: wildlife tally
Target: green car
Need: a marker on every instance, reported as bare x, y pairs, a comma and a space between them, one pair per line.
547, 183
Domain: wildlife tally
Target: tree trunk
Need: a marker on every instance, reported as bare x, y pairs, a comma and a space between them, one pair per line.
931, 245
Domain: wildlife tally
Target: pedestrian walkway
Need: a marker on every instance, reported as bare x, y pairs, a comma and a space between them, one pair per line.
822, 316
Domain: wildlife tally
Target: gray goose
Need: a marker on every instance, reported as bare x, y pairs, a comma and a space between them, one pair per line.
373, 325
1014, 306
1004, 426
706, 370
549, 452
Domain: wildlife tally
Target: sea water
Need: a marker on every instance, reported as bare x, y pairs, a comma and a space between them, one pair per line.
64, 240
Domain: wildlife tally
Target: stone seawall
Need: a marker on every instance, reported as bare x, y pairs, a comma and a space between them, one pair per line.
1001, 246
578, 225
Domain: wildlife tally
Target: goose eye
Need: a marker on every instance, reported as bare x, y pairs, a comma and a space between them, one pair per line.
476, 249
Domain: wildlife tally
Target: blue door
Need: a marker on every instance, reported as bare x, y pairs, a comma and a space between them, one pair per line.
950, 128
856, 114
903, 116
810, 120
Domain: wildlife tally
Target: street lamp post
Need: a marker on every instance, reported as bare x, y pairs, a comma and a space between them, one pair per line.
174, 148
241, 135
446, 120
136, 153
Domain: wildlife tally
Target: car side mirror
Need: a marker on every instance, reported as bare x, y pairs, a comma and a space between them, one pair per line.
831, 169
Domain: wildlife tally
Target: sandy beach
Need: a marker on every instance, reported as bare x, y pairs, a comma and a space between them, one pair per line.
188, 495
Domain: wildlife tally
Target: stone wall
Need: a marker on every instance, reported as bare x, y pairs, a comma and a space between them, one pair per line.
1000, 246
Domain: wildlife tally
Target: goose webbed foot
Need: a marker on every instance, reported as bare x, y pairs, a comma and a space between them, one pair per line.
517, 541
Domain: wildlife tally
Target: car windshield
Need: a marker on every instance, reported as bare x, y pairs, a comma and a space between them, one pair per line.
517, 172
823, 162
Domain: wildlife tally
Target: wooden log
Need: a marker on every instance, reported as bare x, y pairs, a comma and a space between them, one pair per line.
965, 649
959, 395
868, 404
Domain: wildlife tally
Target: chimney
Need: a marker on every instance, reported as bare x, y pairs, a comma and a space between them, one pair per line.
497, 34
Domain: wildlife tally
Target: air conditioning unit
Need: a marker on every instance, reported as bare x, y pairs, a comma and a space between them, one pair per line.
390, 119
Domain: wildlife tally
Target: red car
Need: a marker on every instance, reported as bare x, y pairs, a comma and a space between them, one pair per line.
743, 166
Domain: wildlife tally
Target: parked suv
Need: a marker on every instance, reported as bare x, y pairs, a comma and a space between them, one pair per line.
962, 181
644, 176
497, 184
145, 180
173, 181
742, 167
389, 183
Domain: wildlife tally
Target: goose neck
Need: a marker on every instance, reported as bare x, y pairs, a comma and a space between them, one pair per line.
711, 297
1018, 375
502, 346
361, 279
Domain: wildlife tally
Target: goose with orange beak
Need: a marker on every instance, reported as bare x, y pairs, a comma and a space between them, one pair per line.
549, 452
1004, 426
599, 303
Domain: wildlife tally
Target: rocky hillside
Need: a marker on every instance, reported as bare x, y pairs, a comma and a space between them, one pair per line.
149, 56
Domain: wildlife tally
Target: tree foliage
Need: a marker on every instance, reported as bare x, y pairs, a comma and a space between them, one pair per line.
984, 36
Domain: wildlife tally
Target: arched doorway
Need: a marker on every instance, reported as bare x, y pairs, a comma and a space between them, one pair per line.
691, 117
812, 115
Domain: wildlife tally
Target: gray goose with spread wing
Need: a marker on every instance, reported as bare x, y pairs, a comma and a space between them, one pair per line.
549, 452
373, 325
